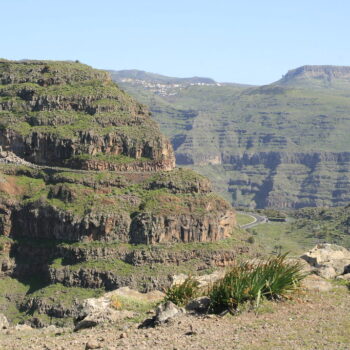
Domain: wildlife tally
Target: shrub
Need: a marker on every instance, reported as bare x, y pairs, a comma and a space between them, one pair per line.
116, 303
251, 240
181, 294
272, 279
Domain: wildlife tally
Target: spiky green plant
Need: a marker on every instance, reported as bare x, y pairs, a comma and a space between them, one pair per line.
272, 279
181, 294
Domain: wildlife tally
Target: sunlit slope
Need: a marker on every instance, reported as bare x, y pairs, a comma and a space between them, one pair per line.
280, 145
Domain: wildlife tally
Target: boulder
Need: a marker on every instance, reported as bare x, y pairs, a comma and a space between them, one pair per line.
329, 260
23, 327
345, 277
96, 311
4, 323
204, 280
199, 305
166, 312
327, 272
102, 316
105, 309
92, 345
317, 283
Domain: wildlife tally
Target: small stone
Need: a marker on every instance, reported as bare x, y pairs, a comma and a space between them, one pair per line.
92, 345
123, 335
4, 323
23, 327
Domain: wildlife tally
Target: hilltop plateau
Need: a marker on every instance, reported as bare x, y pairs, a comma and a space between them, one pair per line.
283, 145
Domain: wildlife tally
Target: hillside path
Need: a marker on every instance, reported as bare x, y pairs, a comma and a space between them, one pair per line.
258, 219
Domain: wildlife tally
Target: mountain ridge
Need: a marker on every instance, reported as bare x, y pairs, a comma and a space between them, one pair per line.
327, 72
248, 139
325, 76
158, 78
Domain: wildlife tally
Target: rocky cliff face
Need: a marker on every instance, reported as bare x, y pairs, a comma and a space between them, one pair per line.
64, 114
68, 114
321, 76
85, 178
166, 207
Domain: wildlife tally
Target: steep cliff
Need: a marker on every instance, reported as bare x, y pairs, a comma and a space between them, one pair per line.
335, 77
283, 145
88, 186
127, 210
68, 114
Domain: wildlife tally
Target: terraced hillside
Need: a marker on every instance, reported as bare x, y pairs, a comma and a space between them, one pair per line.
89, 196
284, 145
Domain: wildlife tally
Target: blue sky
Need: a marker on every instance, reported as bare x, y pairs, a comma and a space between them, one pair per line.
239, 41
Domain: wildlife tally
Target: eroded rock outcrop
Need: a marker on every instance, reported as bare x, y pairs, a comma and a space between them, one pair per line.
86, 177
77, 117
328, 260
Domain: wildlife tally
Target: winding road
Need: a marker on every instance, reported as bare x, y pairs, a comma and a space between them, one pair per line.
258, 219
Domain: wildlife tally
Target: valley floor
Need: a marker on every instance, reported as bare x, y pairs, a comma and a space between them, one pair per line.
313, 320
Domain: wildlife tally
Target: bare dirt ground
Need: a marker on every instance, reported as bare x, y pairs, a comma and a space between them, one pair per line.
312, 320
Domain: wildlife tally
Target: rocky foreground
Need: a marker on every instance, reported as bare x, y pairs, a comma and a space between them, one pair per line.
313, 320
316, 317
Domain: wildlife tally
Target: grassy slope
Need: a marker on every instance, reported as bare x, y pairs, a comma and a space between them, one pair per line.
304, 229
303, 117
243, 219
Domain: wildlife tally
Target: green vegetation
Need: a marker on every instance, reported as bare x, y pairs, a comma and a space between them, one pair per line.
75, 106
122, 302
57, 294
55, 71
163, 202
139, 273
281, 237
181, 294
110, 158
11, 293
81, 193
274, 279
179, 180
244, 219
304, 228
283, 144
273, 215
330, 225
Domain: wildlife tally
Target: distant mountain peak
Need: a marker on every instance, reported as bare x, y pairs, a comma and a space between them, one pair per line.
157, 78
317, 76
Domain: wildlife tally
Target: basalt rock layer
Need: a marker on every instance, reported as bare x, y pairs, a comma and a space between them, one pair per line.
38, 208
68, 114
88, 187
